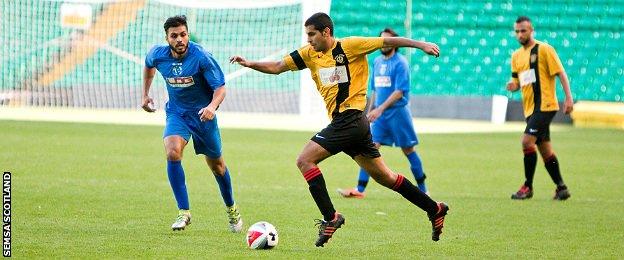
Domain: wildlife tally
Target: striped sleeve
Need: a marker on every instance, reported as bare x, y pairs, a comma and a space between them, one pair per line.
295, 61
514, 70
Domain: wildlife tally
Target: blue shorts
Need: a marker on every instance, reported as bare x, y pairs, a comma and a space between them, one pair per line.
394, 128
206, 137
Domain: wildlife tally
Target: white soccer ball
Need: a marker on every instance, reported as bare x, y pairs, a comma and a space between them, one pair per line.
262, 235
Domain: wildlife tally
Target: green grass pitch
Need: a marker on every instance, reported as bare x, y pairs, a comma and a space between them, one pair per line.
91, 190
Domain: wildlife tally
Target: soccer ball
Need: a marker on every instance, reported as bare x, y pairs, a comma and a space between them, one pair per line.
262, 235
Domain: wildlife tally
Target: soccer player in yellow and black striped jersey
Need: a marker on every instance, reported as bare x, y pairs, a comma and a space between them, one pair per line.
533, 69
340, 70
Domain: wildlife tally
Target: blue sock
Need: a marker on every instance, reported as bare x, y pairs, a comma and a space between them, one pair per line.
178, 185
417, 170
362, 180
225, 186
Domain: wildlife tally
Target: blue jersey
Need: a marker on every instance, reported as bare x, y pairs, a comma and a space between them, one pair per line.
390, 75
191, 81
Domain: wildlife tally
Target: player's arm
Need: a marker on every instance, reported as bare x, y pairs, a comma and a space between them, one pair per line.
427, 47
148, 75
270, 67
209, 112
568, 104
514, 83
376, 112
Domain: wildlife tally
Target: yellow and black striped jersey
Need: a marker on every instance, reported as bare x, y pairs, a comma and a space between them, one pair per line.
534, 69
340, 73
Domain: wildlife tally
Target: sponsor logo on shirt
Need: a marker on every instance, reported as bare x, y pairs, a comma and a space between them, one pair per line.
333, 75
181, 82
383, 81
527, 77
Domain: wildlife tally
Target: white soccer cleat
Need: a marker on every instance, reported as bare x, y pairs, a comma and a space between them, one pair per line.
234, 219
183, 220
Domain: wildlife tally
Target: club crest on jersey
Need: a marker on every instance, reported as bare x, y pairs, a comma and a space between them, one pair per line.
340, 58
533, 58
176, 69
181, 82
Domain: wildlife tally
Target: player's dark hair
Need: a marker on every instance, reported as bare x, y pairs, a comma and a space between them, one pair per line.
175, 21
389, 30
320, 21
523, 19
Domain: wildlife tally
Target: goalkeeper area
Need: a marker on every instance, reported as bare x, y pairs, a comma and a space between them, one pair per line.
90, 54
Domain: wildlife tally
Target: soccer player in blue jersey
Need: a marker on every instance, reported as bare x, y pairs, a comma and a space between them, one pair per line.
196, 88
390, 117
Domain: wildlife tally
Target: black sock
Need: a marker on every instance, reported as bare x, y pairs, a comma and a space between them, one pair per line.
530, 162
404, 187
315, 180
552, 166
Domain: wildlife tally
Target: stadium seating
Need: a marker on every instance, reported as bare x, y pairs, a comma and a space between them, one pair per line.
476, 39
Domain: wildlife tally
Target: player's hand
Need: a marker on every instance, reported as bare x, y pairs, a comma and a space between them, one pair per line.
148, 104
568, 106
431, 49
512, 86
207, 113
373, 115
240, 60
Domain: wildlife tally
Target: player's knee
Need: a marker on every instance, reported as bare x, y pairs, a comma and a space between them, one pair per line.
407, 150
303, 162
174, 155
218, 169
527, 143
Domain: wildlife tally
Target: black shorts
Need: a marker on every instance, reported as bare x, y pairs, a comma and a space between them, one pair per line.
349, 132
538, 125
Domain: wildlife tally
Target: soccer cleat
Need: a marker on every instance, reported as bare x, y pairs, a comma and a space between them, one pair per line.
523, 193
183, 220
351, 193
327, 228
561, 194
437, 221
234, 219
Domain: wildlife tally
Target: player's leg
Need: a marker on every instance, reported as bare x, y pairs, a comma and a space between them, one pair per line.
174, 146
529, 138
175, 138
416, 167
550, 159
404, 135
207, 141
364, 152
307, 162
222, 176
378, 170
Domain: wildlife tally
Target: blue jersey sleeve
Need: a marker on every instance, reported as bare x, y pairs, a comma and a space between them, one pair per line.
149, 59
401, 76
212, 72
